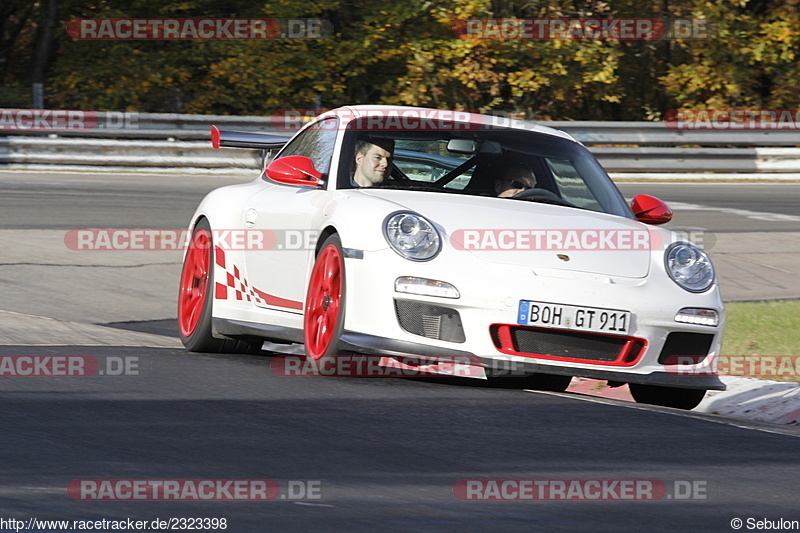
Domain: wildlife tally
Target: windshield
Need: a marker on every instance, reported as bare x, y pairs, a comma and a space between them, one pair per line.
498, 162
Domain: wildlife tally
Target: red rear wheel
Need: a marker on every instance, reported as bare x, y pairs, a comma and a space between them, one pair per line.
195, 299
324, 311
195, 281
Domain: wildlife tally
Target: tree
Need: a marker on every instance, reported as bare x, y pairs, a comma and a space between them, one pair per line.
751, 62
411, 53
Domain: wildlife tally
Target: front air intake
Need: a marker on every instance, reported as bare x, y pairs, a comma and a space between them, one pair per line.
430, 321
683, 347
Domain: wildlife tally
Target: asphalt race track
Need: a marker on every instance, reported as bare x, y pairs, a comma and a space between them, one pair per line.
727, 207
375, 454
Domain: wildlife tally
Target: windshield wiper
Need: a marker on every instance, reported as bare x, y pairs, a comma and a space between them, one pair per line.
551, 201
543, 196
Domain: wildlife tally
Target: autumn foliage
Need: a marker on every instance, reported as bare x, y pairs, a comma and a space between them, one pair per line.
407, 52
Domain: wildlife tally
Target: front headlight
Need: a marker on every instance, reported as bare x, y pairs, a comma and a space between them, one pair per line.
689, 266
412, 236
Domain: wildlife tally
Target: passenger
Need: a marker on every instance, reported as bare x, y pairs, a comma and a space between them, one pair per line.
516, 179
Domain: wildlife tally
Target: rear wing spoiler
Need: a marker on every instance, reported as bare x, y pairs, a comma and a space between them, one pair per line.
246, 139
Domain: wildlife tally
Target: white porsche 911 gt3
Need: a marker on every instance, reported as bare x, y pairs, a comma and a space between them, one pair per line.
402, 231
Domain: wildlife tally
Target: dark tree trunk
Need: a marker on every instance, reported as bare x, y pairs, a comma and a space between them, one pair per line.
44, 44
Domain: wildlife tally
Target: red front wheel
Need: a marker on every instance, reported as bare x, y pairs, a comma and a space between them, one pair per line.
324, 310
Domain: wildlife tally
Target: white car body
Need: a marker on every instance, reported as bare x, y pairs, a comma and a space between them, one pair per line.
273, 284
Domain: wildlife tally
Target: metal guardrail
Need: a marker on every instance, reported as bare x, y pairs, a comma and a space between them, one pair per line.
658, 134
156, 140
163, 126
591, 133
744, 160
25, 151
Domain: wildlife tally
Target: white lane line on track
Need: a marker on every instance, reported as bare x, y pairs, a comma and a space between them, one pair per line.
82, 344
314, 504
754, 215
765, 265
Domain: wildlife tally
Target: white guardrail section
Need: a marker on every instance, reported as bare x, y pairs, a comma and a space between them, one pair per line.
155, 141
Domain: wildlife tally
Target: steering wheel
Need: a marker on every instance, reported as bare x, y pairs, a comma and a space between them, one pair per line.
542, 195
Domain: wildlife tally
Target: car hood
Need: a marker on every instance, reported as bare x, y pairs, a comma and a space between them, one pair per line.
537, 235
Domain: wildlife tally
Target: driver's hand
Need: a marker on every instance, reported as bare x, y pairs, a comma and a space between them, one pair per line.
508, 193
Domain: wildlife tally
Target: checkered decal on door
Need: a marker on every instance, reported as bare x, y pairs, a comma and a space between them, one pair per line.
236, 287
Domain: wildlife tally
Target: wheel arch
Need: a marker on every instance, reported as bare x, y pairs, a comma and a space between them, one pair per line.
197, 219
323, 235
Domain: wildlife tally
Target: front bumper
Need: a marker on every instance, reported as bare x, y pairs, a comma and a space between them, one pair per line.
490, 295
373, 344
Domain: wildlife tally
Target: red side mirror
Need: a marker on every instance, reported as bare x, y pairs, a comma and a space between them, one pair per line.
294, 170
650, 210
215, 137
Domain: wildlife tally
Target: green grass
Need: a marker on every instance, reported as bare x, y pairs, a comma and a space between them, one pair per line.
770, 328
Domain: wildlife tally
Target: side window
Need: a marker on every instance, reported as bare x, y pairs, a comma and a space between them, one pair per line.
571, 184
316, 143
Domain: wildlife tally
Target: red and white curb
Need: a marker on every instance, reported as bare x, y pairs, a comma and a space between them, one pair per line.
755, 399
746, 398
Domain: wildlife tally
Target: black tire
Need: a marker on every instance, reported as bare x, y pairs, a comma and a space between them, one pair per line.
686, 399
547, 382
322, 325
195, 331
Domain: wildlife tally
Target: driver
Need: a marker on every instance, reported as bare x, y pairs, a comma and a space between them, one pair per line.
517, 178
373, 161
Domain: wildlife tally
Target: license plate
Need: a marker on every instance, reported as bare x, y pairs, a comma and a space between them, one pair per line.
592, 319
